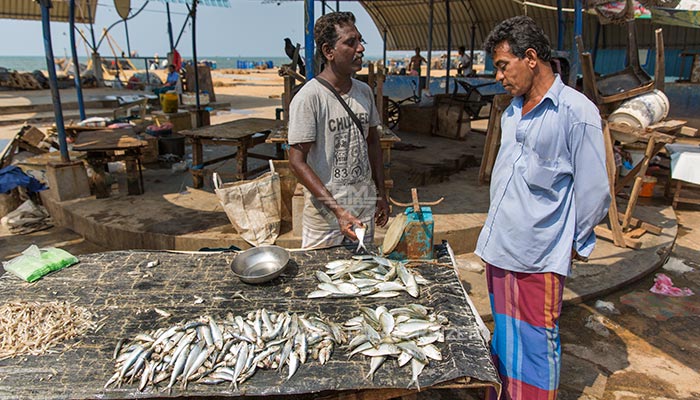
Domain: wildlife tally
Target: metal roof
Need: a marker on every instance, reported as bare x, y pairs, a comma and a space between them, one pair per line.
406, 23
212, 3
29, 9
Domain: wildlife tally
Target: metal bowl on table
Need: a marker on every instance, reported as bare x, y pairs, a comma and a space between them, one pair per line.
260, 264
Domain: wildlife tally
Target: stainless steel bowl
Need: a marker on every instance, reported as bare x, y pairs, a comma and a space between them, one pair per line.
260, 264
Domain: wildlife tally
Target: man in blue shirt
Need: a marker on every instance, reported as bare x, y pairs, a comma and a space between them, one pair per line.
549, 189
170, 81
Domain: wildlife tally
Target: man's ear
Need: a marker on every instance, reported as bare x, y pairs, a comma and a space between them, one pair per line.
531, 55
327, 51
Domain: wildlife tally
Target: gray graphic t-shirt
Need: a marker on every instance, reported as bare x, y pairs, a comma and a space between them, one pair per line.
339, 154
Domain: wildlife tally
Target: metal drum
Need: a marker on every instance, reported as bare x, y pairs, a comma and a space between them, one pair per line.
641, 111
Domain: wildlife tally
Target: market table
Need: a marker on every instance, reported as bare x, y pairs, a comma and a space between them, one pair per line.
109, 145
123, 292
243, 133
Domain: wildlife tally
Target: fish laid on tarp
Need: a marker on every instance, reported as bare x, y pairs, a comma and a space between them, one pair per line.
229, 350
408, 334
367, 275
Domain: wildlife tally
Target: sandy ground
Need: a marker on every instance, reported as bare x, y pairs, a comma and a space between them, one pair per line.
635, 356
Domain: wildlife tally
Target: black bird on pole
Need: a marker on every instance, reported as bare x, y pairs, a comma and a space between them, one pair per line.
289, 48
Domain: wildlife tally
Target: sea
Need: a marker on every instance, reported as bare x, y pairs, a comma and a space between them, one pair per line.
31, 63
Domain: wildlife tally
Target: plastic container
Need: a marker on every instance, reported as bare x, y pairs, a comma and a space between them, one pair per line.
648, 183
168, 102
642, 111
174, 144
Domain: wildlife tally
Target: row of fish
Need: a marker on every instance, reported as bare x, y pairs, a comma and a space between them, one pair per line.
231, 350
370, 276
406, 333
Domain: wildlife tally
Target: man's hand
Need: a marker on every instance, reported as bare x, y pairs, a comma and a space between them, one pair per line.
347, 222
577, 257
381, 214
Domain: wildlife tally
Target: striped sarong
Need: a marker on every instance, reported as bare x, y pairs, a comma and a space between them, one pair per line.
525, 346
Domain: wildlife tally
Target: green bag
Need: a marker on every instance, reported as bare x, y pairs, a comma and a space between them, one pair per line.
35, 262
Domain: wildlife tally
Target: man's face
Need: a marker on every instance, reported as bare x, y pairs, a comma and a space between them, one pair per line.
515, 74
348, 51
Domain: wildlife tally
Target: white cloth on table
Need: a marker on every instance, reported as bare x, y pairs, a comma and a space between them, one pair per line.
685, 159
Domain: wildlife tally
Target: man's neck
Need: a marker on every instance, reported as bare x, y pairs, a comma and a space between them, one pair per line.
543, 81
341, 82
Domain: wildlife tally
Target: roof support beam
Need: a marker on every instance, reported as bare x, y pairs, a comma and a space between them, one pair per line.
74, 55
309, 38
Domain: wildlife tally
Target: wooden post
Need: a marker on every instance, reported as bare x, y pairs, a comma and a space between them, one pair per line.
648, 154
379, 100
660, 67
618, 237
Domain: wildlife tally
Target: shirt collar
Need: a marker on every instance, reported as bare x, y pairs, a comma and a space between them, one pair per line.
552, 94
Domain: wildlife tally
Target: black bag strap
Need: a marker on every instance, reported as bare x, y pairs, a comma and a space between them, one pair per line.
345, 105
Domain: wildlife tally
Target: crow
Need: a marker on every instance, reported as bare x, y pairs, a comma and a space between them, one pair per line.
289, 48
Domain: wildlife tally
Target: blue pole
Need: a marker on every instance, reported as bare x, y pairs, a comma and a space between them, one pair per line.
561, 25
449, 46
309, 38
194, 61
170, 27
578, 30
384, 49
53, 81
76, 64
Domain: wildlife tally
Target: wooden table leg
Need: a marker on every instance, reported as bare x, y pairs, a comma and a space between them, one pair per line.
242, 161
133, 181
677, 194
618, 238
634, 195
197, 160
97, 162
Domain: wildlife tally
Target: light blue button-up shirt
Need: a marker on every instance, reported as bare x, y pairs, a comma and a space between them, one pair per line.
549, 185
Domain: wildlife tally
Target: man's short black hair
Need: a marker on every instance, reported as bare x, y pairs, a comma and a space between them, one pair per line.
521, 33
325, 31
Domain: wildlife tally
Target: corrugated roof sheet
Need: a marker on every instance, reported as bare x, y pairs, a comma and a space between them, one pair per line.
30, 9
406, 22
212, 3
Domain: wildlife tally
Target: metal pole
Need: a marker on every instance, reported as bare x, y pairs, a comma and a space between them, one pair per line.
309, 38
323, 7
92, 29
384, 49
53, 81
194, 59
74, 55
561, 25
170, 27
449, 46
430, 47
337, 5
473, 43
578, 30
128, 45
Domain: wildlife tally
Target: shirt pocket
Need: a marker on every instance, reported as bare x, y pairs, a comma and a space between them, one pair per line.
542, 175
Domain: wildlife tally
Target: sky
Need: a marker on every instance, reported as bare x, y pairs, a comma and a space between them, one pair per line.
250, 28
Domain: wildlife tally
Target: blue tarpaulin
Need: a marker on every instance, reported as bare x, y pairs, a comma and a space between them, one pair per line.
13, 176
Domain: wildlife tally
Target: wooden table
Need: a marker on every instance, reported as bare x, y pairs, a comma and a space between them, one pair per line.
243, 133
127, 297
112, 145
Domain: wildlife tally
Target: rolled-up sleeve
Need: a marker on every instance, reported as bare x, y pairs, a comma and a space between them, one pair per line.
591, 187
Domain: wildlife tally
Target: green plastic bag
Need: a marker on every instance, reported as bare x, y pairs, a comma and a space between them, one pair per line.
35, 262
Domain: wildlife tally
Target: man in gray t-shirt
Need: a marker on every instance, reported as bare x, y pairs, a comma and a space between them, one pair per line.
339, 164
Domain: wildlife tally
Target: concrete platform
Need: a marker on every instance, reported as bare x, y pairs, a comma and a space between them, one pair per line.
173, 215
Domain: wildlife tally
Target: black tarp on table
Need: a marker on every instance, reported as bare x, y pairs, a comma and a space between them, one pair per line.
119, 286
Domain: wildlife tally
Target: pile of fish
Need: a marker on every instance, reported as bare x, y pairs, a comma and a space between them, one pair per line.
208, 351
34, 328
407, 333
370, 276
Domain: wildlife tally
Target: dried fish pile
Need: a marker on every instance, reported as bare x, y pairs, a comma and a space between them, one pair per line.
34, 328
207, 351
407, 333
370, 276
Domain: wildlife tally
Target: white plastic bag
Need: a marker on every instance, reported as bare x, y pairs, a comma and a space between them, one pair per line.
27, 218
253, 206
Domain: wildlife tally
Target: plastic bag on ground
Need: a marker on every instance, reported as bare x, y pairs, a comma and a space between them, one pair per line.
664, 285
34, 262
27, 218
